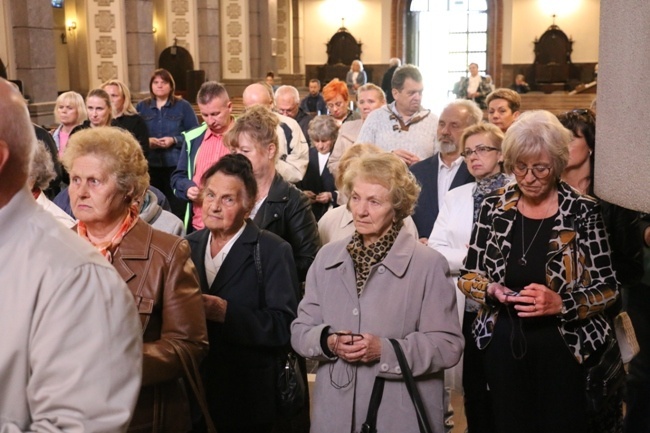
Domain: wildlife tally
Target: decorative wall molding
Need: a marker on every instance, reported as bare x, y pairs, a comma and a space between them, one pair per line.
182, 26
284, 45
234, 39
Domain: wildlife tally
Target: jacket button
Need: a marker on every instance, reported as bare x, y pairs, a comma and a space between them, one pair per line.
311, 352
275, 215
384, 367
355, 312
381, 269
398, 370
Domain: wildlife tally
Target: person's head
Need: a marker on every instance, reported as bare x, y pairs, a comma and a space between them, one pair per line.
254, 135
98, 105
456, 116
503, 107
480, 145
382, 192
369, 98
215, 106
407, 89
520, 79
270, 78
582, 123
323, 131
314, 87
162, 85
41, 171
108, 174
536, 150
394, 61
473, 69
287, 101
17, 141
350, 155
228, 194
336, 98
70, 109
258, 94
120, 98
356, 66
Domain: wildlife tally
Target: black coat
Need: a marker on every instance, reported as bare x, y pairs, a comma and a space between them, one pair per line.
241, 368
287, 213
317, 182
426, 211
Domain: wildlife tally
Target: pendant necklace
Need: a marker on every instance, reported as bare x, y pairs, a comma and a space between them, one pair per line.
522, 261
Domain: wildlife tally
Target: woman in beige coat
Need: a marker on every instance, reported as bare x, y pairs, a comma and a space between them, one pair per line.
380, 283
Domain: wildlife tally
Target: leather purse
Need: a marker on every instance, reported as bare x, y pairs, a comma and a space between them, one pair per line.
290, 385
606, 379
370, 426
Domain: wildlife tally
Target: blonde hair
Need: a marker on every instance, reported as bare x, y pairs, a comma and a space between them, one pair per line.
370, 86
118, 150
536, 132
74, 99
352, 153
387, 170
493, 132
127, 109
260, 125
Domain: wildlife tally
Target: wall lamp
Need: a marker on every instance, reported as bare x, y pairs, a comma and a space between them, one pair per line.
72, 25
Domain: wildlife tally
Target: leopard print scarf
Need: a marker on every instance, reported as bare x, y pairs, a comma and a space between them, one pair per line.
364, 257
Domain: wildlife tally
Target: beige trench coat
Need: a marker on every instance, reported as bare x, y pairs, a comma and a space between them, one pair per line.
410, 297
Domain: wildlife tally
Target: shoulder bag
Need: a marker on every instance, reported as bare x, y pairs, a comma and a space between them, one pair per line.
370, 426
290, 386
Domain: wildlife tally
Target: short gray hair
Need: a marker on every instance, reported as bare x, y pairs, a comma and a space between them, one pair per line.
323, 128
533, 133
41, 171
287, 90
474, 112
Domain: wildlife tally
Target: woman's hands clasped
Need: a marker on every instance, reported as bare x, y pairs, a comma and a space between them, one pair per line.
534, 300
351, 347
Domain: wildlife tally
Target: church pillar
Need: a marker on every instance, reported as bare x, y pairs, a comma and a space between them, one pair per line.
32, 29
140, 50
209, 33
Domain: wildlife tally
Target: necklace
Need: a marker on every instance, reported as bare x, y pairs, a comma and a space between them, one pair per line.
522, 261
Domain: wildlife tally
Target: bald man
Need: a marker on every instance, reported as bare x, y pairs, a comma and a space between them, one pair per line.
292, 146
71, 357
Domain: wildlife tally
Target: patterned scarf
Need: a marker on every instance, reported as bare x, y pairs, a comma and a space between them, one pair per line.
487, 186
365, 257
484, 187
107, 249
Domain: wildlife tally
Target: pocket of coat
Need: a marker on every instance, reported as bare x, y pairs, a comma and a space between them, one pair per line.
145, 308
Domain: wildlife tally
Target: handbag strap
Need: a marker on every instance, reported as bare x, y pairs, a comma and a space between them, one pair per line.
370, 426
193, 378
423, 422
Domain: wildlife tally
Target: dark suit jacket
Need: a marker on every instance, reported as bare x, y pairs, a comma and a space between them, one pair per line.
426, 211
240, 370
287, 213
317, 183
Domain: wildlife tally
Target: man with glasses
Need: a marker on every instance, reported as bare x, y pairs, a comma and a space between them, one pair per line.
287, 103
403, 127
446, 169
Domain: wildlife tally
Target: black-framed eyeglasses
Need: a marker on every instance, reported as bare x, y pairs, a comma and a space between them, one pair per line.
480, 151
539, 171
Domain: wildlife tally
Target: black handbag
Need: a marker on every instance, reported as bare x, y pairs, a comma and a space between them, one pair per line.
606, 379
370, 426
290, 386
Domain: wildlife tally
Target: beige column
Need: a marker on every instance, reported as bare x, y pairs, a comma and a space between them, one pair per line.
622, 153
209, 32
105, 41
140, 50
236, 46
31, 31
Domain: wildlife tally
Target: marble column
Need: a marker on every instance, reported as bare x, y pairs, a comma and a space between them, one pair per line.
209, 32
32, 27
140, 50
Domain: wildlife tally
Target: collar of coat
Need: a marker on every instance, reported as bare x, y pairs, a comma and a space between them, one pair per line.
396, 261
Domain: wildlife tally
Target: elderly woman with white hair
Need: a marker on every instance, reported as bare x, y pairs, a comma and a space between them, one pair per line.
539, 264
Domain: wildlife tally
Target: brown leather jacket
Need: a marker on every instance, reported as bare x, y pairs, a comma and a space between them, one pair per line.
159, 272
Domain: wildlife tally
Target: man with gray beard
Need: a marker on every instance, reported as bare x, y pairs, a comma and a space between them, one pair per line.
446, 169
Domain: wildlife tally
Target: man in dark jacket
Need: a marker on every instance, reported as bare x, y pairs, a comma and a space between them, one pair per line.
386, 86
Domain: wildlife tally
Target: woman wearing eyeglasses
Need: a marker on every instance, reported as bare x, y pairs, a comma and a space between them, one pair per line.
539, 264
337, 100
481, 147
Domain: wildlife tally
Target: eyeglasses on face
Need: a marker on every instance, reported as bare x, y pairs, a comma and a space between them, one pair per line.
480, 151
331, 105
539, 171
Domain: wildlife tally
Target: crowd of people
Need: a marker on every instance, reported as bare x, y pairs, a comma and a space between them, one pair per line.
331, 228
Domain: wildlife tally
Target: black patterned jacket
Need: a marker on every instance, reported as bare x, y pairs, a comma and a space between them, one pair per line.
578, 266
